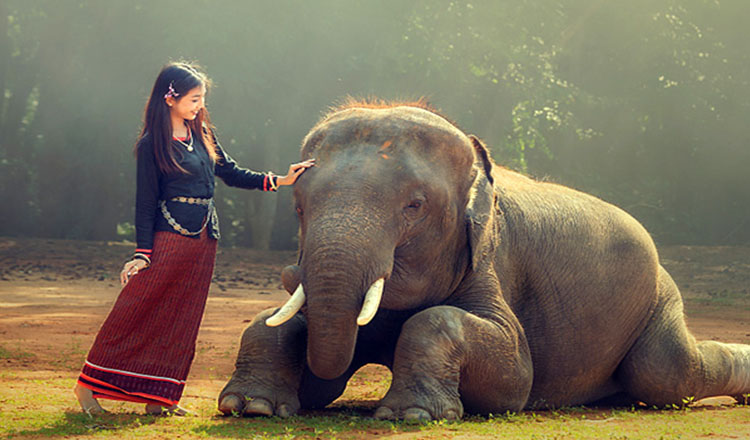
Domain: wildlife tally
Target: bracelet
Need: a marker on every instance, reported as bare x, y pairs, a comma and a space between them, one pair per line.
272, 181
143, 257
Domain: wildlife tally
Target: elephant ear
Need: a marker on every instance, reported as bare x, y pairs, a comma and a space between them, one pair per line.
480, 212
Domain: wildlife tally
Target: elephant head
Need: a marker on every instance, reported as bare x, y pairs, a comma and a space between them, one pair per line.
395, 213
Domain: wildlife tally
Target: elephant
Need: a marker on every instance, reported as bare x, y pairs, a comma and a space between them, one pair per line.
481, 289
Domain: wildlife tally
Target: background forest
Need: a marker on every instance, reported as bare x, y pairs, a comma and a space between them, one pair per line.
643, 103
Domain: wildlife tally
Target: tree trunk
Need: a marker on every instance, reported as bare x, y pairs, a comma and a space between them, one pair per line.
25, 78
4, 55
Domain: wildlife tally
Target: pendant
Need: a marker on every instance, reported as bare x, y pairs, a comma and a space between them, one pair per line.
190, 148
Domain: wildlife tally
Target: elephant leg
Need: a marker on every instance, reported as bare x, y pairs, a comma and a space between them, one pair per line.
271, 376
667, 366
447, 359
268, 369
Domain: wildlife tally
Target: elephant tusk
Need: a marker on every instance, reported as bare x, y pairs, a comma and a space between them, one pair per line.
288, 310
371, 302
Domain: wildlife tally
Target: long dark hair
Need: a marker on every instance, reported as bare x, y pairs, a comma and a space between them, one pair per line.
183, 77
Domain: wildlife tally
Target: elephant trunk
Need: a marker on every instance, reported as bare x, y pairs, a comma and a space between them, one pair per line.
332, 308
343, 281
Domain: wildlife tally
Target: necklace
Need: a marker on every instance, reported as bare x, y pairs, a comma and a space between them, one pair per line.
189, 146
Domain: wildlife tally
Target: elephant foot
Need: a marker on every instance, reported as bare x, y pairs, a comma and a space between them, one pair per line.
256, 401
239, 405
419, 409
235, 405
416, 415
262, 407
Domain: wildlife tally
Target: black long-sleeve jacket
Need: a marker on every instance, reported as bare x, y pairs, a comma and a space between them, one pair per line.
153, 186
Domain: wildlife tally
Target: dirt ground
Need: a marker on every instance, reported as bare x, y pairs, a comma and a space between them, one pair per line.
54, 295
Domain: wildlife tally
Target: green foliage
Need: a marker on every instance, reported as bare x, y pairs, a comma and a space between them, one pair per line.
643, 103
126, 230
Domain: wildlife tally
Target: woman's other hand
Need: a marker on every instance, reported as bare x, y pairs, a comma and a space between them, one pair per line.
295, 170
131, 268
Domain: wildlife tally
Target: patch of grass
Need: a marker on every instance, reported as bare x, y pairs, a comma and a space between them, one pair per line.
582, 423
339, 426
17, 355
41, 405
725, 297
368, 383
72, 356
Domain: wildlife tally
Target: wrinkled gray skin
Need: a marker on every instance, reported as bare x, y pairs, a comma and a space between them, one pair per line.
502, 293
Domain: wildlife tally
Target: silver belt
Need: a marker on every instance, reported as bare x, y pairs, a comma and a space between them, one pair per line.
191, 201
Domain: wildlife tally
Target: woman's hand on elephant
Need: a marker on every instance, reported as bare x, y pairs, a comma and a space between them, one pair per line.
131, 268
295, 170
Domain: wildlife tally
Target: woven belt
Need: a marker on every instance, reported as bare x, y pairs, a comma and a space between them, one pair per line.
191, 201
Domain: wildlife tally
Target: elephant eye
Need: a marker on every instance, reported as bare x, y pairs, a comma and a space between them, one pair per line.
414, 209
298, 209
416, 205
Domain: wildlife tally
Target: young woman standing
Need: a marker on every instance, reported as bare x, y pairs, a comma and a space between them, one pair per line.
145, 347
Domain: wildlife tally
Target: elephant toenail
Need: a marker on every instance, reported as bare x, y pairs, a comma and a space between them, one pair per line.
284, 411
259, 407
232, 405
451, 415
384, 413
417, 415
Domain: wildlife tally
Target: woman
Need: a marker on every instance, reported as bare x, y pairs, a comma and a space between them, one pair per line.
144, 349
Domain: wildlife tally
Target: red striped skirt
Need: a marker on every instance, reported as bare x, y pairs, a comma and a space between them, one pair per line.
144, 349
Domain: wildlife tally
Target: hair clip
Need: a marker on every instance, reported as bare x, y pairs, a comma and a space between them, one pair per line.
171, 92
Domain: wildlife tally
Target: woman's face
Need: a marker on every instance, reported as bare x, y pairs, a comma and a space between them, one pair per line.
187, 106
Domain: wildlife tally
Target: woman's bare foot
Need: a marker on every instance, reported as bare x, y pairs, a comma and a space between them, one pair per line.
85, 397
174, 410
